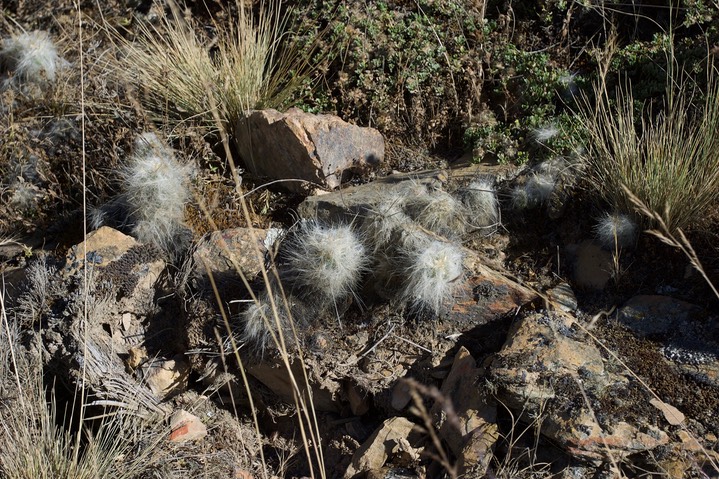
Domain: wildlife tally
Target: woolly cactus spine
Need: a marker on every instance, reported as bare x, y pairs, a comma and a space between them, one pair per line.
433, 270
31, 57
325, 262
616, 231
480, 199
155, 191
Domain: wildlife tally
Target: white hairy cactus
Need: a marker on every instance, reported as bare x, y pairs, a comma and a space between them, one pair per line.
31, 57
325, 262
438, 211
480, 199
616, 231
155, 191
386, 217
433, 270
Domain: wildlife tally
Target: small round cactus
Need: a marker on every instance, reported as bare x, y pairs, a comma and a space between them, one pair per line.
324, 262
433, 271
482, 205
439, 212
616, 231
31, 57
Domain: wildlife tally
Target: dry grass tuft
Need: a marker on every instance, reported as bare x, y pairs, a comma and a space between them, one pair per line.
670, 160
255, 63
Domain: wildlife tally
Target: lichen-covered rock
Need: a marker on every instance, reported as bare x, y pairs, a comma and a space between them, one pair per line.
546, 368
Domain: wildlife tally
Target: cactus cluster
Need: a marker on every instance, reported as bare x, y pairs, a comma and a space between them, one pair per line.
404, 249
151, 205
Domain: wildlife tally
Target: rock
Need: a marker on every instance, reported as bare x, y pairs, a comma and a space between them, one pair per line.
484, 294
545, 368
224, 252
297, 145
673, 415
100, 248
356, 203
653, 315
688, 339
186, 427
359, 401
394, 435
166, 378
123, 266
563, 297
538, 347
273, 374
400, 396
470, 429
592, 265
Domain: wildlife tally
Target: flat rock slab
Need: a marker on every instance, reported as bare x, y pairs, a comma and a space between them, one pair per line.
296, 145
357, 202
687, 337
547, 367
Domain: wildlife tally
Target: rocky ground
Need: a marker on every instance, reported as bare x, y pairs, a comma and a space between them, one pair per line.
547, 353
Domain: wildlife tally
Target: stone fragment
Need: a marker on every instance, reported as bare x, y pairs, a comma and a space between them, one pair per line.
563, 297
394, 435
546, 368
186, 427
166, 378
274, 375
470, 429
673, 415
359, 401
319, 149
100, 248
223, 252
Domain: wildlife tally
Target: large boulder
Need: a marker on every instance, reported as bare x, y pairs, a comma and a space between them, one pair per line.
295, 145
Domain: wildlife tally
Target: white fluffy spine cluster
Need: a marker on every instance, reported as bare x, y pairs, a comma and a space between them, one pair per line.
438, 212
32, 56
325, 260
480, 198
616, 231
155, 189
433, 270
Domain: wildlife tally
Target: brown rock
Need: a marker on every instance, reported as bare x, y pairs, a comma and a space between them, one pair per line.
167, 378
100, 248
673, 415
186, 427
391, 437
470, 429
299, 145
274, 375
545, 369
226, 251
